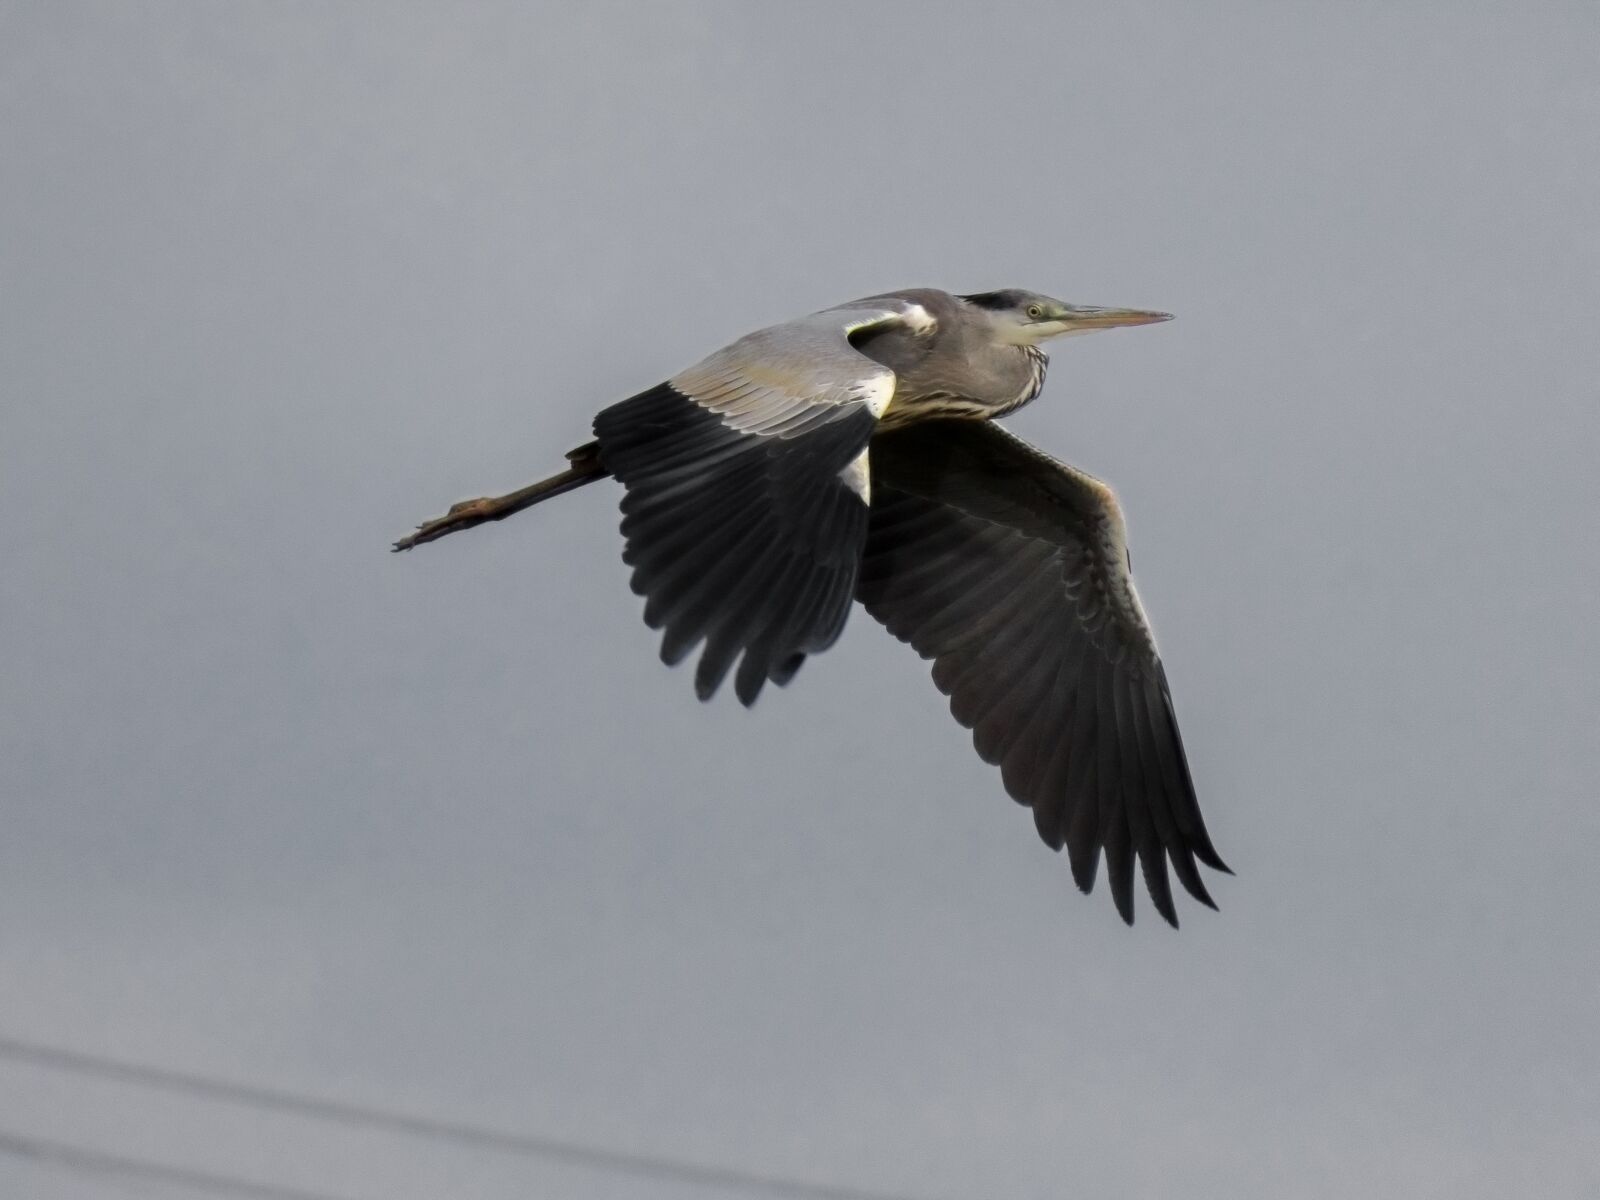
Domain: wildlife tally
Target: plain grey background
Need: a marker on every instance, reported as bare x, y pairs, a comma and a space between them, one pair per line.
439, 832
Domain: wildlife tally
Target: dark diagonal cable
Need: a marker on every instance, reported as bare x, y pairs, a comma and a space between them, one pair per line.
600, 1158
80, 1158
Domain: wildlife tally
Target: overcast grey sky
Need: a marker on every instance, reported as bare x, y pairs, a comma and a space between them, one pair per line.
277, 281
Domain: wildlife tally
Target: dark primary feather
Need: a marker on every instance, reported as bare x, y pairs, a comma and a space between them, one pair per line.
746, 542
1003, 568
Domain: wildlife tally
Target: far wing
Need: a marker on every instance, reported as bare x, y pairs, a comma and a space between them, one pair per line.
746, 505
1009, 570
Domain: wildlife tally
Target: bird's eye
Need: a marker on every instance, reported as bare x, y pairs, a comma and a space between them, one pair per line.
1035, 311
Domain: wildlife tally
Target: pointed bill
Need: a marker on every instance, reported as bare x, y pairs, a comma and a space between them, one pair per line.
1110, 318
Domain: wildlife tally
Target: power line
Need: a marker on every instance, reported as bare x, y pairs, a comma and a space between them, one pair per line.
600, 1158
80, 1158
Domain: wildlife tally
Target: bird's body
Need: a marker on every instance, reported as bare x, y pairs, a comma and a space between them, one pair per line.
848, 455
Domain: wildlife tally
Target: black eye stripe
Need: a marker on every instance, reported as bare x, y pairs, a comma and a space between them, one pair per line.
995, 300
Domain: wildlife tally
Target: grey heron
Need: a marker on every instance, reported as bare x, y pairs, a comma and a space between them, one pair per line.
851, 455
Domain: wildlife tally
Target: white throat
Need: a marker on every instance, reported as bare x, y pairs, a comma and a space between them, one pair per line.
1014, 333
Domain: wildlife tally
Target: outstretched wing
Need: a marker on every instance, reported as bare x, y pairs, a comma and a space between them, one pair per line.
1010, 571
746, 505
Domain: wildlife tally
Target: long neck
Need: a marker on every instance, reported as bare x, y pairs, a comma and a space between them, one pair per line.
996, 376
987, 381
1038, 364
971, 371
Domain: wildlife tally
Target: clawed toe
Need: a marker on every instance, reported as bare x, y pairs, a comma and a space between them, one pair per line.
461, 515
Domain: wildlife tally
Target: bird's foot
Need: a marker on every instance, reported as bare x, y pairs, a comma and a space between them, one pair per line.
461, 516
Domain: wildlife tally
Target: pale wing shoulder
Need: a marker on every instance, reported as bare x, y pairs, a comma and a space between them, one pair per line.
782, 380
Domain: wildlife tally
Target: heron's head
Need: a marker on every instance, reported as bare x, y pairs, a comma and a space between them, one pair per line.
1027, 318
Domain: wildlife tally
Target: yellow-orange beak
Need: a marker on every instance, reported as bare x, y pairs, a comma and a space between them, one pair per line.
1074, 319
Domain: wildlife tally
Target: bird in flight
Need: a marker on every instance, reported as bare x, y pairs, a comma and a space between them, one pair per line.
852, 455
